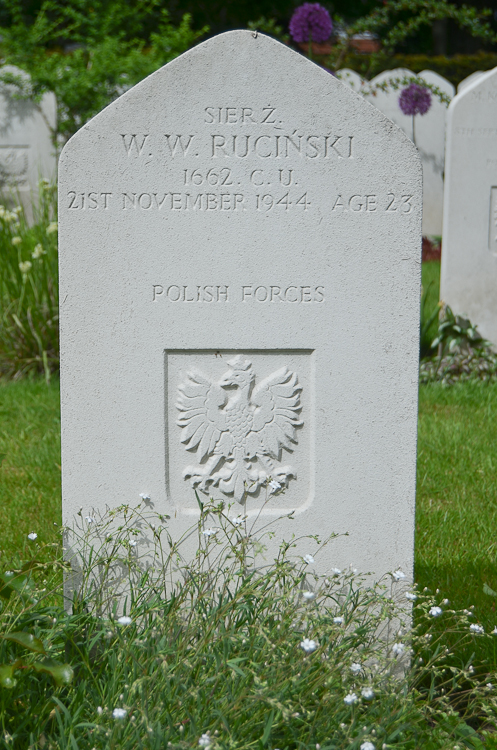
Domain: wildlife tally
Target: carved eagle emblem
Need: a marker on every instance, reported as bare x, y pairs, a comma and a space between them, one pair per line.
239, 429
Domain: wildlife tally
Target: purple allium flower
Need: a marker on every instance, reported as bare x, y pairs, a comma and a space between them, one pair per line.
311, 21
415, 100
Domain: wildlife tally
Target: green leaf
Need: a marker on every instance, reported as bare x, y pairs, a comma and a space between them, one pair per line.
268, 727
18, 583
2, 456
62, 674
488, 590
28, 640
7, 676
232, 665
200, 503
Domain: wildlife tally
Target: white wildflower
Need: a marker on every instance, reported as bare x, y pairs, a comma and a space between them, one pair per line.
124, 620
205, 740
338, 620
145, 496
494, 631
274, 486
435, 611
398, 575
119, 713
308, 645
33, 536
350, 699
100, 710
209, 532
132, 542
89, 519
476, 628
355, 667
308, 559
52, 227
309, 595
16, 240
398, 649
237, 520
367, 746
489, 685
367, 693
25, 266
336, 572
38, 252
411, 597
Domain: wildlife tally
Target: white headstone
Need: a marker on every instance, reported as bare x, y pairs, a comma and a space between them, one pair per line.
351, 78
429, 137
469, 249
430, 140
238, 234
27, 152
469, 79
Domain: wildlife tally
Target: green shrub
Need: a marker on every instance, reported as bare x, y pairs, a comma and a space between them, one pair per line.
29, 332
112, 50
455, 68
231, 651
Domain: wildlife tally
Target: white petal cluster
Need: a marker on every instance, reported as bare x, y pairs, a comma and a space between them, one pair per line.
33, 536
350, 699
308, 645
476, 628
435, 611
308, 559
119, 713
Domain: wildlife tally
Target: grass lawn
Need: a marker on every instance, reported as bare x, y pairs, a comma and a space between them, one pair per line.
456, 543
30, 470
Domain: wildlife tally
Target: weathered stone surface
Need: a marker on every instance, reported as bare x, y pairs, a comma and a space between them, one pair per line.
26, 150
469, 248
240, 245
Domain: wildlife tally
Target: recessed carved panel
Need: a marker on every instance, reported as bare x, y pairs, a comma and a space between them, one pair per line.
235, 421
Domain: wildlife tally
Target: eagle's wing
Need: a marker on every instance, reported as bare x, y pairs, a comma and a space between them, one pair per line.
277, 402
199, 402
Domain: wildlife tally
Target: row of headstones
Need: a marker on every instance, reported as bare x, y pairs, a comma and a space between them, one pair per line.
429, 128
458, 149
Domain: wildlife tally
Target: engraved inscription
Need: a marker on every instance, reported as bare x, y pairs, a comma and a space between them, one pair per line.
239, 429
250, 293
13, 165
492, 234
472, 132
272, 186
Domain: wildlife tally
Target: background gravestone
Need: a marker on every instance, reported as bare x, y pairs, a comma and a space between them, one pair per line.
239, 280
469, 79
351, 78
26, 149
429, 137
469, 252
